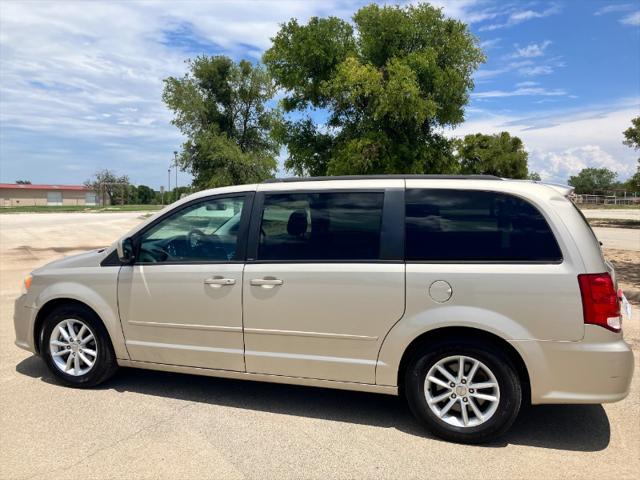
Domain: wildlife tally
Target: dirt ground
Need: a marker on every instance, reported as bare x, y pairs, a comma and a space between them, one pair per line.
627, 264
144, 424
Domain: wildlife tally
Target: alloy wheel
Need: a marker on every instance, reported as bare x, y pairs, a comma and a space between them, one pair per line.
73, 347
462, 391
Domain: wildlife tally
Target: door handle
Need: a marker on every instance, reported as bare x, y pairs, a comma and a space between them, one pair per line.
218, 281
266, 282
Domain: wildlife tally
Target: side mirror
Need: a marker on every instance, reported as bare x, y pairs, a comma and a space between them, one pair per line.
125, 250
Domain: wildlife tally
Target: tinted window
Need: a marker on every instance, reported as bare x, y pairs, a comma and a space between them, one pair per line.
206, 231
451, 225
321, 226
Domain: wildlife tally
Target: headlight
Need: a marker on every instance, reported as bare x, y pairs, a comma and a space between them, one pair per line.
27, 284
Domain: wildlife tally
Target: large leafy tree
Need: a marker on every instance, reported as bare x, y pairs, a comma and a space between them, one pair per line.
109, 186
145, 195
386, 87
632, 134
501, 155
593, 180
222, 109
632, 139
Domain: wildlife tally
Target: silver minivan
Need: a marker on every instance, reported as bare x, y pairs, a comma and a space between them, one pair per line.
469, 296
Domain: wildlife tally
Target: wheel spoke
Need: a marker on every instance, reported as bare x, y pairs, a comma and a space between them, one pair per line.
465, 414
58, 343
473, 370
460, 368
87, 362
60, 353
64, 333
439, 398
87, 339
478, 386
437, 381
72, 332
482, 396
475, 409
89, 351
81, 332
446, 374
76, 364
446, 408
68, 364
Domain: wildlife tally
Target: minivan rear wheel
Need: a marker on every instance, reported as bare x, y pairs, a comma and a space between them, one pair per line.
76, 346
463, 391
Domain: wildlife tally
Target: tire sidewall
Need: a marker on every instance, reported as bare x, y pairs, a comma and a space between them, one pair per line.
508, 382
105, 357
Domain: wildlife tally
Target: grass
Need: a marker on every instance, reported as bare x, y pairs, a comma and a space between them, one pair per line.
79, 208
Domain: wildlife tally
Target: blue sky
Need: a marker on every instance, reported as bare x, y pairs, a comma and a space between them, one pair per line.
80, 82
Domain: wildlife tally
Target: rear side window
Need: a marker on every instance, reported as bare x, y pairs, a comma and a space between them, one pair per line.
321, 226
468, 225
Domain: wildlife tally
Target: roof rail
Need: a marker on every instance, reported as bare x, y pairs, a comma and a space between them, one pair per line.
383, 177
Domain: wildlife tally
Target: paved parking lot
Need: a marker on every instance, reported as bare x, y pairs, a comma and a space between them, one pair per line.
158, 425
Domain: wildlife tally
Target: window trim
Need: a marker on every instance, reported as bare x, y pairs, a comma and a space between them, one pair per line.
487, 262
241, 246
391, 238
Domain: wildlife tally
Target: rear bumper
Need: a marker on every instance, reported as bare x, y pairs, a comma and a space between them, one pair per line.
597, 369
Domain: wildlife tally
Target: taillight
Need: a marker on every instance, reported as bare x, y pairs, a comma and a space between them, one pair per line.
600, 303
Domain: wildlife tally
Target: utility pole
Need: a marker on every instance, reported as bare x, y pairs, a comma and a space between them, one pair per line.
168, 181
175, 160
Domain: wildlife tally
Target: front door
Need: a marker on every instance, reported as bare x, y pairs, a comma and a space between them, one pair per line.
181, 301
321, 293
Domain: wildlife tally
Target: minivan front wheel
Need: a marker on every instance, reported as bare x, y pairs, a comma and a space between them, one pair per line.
462, 391
76, 346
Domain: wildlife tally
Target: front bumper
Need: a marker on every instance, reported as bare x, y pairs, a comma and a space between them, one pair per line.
24, 317
597, 369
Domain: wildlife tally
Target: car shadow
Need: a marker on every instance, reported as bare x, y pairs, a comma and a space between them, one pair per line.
561, 427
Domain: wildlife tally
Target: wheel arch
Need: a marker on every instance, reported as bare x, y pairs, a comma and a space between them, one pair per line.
468, 333
51, 306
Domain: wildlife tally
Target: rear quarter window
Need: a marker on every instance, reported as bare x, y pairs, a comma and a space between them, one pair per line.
468, 225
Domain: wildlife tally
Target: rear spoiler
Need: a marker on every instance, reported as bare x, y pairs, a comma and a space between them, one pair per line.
564, 190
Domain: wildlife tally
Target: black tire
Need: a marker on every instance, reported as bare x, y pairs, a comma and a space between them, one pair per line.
502, 368
105, 364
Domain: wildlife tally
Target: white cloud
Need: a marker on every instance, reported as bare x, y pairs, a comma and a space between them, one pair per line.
535, 71
90, 76
520, 92
561, 143
632, 19
526, 84
532, 50
489, 44
560, 165
620, 7
520, 16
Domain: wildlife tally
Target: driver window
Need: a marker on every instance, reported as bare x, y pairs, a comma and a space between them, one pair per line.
205, 232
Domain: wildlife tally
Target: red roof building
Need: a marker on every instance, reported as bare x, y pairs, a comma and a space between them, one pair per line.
16, 195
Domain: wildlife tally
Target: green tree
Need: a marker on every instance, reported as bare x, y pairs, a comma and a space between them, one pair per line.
632, 134
535, 176
632, 139
145, 195
221, 107
23, 182
593, 180
386, 87
109, 186
500, 154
